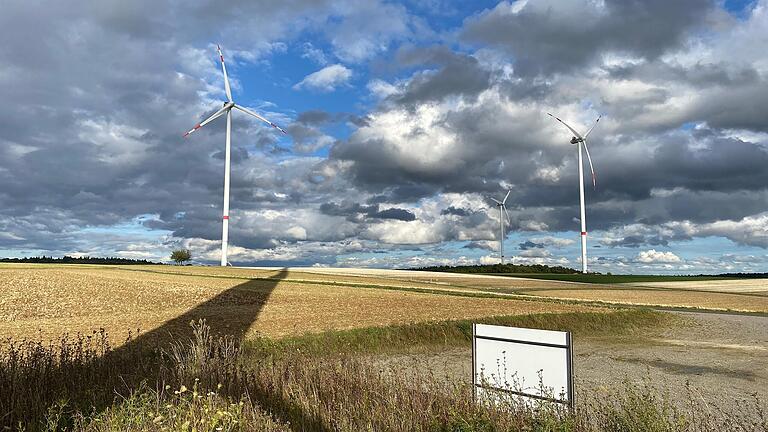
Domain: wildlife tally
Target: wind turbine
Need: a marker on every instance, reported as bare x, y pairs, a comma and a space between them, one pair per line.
578, 139
502, 212
227, 109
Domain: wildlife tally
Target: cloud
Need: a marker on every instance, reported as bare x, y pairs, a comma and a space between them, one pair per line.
370, 28
314, 54
747, 231
653, 257
483, 244
458, 74
545, 242
355, 211
326, 79
549, 36
395, 213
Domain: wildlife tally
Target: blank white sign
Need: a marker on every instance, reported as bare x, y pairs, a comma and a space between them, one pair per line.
528, 363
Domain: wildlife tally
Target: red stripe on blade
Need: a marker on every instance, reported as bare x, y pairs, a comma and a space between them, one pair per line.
226, 217
583, 233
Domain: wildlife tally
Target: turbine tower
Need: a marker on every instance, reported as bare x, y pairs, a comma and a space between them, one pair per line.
227, 109
580, 140
502, 212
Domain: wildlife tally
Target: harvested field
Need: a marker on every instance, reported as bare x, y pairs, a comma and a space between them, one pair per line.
383, 277
663, 297
48, 300
756, 286
456, 280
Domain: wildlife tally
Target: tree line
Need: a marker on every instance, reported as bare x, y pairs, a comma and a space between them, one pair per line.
501, 268
78, 260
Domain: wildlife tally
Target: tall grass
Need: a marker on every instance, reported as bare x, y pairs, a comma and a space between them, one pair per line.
208, 383
71, 373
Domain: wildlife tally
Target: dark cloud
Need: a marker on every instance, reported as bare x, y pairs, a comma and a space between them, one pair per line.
395, 213
314, 117
451, 210
355, 212
636, 241
703, 75
740, 106
457, 74
559, 36
529, 245
483, 245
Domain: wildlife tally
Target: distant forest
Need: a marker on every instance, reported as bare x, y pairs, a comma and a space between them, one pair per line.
77, 260
745, 275
502, 268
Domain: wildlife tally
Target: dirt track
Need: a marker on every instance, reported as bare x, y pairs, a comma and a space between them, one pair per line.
724, 357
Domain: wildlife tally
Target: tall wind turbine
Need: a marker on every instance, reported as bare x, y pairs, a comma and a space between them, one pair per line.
502, 212
227, 109
580, 140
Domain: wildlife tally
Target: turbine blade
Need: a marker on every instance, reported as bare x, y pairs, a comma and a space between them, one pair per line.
495, 200
214, 116
566, 125
591, 169
226, 78
593, 126
505, 197
509, 221
249, 112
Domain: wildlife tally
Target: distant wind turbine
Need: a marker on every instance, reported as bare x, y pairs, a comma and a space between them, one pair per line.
227, 109
502, 212
578, 139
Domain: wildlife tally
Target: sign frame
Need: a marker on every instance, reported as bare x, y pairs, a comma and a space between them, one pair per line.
567, 346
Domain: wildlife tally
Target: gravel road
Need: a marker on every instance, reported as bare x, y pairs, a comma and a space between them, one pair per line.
723, 357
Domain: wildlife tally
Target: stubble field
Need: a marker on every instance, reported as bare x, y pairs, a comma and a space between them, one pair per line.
46, 300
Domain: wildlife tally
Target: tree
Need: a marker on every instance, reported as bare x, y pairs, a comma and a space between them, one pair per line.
181, 255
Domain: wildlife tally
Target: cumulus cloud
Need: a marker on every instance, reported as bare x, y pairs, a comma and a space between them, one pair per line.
653, 256
326, 79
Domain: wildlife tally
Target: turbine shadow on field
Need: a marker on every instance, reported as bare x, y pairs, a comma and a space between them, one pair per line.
230, 313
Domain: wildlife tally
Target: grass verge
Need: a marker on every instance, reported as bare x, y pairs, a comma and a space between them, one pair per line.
445, 334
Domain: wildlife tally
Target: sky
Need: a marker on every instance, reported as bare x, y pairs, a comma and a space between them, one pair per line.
403, 119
